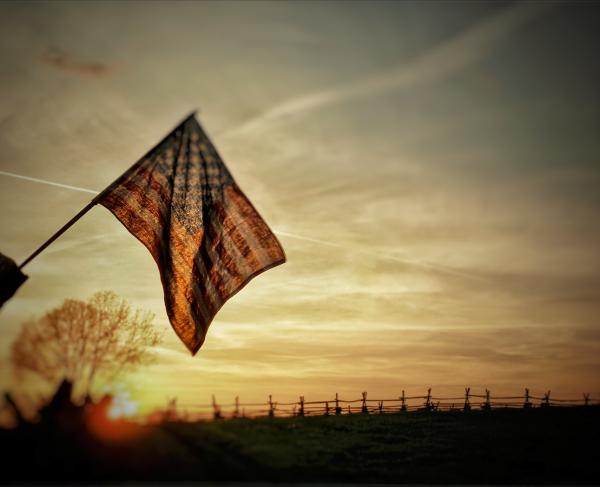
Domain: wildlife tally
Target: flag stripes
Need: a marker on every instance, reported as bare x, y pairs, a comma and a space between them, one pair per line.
207, 239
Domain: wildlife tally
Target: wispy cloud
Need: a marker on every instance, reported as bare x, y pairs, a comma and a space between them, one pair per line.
63, 246
378, 255
465, 49
62, 61
411, 262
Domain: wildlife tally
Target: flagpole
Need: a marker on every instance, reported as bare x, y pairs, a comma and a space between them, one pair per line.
94, 202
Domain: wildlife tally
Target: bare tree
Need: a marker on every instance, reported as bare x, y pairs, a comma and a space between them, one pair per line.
85, 341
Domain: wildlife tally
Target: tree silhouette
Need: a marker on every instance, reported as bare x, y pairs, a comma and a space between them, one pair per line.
85, 341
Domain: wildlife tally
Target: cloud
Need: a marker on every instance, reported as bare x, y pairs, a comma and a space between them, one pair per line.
62, 61
89, 241
373, 254
465, 49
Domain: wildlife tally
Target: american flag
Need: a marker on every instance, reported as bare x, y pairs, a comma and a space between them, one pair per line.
207, 239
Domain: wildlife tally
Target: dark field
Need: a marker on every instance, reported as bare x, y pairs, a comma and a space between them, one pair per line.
500, 446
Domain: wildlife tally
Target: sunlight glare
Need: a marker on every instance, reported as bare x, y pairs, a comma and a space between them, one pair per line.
122, 406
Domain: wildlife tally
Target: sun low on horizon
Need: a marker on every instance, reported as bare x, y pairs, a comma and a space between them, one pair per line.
430, 168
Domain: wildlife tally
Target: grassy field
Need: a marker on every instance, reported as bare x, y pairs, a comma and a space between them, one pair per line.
501, 446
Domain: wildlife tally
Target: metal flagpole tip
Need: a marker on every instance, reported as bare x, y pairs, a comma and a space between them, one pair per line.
11, 278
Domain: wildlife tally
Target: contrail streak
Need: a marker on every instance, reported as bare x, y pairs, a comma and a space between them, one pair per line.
416, 263
466, 48
50, 183
378, 255
307, 239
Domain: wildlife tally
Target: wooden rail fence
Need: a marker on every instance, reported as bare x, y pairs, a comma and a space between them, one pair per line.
366, 405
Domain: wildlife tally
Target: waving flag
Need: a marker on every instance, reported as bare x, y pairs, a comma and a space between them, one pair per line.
207, 239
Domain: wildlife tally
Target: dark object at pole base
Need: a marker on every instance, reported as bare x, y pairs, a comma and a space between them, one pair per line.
11, 278
19, 418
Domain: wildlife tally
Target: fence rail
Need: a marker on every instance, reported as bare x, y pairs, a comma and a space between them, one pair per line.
365, 405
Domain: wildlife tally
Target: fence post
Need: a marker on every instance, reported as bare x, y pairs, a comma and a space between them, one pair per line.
216, 408
546, 401
467, 406
403, 401
487, 405
364, 408
381, 407
236, 412
338, 409
170, 413
428, 405
271, 408
349, 409
326, 408
526, 404
301, 410
586, 398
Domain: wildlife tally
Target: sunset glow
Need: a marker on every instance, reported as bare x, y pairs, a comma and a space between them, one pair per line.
431, 170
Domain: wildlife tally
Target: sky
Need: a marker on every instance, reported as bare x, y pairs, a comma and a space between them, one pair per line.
431, 169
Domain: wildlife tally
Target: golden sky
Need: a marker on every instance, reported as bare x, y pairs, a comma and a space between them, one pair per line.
431, 169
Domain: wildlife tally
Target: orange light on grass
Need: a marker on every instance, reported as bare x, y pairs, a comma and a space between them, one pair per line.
110, 419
